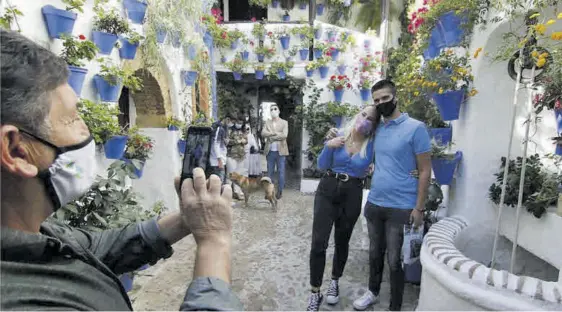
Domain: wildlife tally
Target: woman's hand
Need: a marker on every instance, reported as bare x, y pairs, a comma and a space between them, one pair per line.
332, 133
336, 142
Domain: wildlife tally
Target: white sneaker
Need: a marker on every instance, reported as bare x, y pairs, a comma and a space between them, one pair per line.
333, 293
365, 301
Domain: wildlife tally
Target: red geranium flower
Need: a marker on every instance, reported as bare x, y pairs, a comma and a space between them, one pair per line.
253, 19
333, 77
82, 37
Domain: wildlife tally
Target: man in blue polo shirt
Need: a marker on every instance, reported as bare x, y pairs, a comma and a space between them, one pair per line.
402, 144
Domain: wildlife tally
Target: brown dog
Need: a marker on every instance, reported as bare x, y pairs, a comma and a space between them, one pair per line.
254, 184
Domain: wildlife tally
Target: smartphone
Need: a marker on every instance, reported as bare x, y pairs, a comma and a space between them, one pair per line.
197, 151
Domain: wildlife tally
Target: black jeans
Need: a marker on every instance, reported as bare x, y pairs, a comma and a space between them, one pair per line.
386, 234
336, 203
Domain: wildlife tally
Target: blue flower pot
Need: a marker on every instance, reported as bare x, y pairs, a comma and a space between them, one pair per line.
367, 43
338, 95
104, 41
319, 9
107, 92
337, 120
449, 104
444, 169
189, 77
286, 18
434, 45
181, 146
127, 281
558, 116
317, 34
138, 171
259, 74
128, 50
341, 69
451, 27
281, 73
285, 42
175, 37
223, 59
191, 52
365, 94
558, 150
302, 6
442, 136
136, 10
76, 78
335, 54
58, 21
161, 35
332, 35
208, 40
237, 76
234, 44
245, 55
275, 4
261, 57
303, 54
173, 128
323, 71
318, 53
309, 73
114, 148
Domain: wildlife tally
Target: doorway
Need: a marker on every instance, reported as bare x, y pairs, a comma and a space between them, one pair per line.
124, 109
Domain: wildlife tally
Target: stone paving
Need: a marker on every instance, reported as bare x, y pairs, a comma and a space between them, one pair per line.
270, 267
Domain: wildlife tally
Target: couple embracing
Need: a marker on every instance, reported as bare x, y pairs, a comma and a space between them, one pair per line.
399, 146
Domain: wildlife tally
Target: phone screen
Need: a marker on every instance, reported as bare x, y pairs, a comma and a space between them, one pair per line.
197, 150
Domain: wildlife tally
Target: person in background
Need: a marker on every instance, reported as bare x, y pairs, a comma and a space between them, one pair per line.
275, 132
338, 200
253, 163
48, 160
217, 158
238, 138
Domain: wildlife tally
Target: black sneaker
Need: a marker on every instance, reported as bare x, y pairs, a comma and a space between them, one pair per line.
314, 301
279, 194
333, 293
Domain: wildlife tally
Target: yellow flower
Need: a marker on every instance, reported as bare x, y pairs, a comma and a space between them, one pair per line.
472, 92
543, 55
550, 22
535, 15
477, 52
535, 54
416, 93
559, 15
541, 62
556, 35
454, 78
434, 84
441, 91
540, 28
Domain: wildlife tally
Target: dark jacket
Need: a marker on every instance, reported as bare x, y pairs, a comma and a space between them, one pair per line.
65, 268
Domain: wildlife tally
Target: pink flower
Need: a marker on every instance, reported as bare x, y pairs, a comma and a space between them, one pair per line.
253, 19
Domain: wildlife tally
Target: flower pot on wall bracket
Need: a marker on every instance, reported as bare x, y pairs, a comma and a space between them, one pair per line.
309, 73
558, 117
176, 40
317, 34
332, 35
433, 45
76, 78
558, 150
245, 55
114, 148
285, 40
319, 9
337, 120
323, 71
335, 53
137, 170
282, 74
161, 35
191, 52
107, 91
234, 44
303, 54
302, 6
338, 95
286, 18
444, 169
128, 50
136, 10
104, 41
341, 69
237, 75
259, 74
127, 281
318, 53
208, 40
449, 104
366, 43
189, 77
261, 57
181, 146
451, 28
173, 128
223, 59
58, 21
365, 94
275, 4
442, 136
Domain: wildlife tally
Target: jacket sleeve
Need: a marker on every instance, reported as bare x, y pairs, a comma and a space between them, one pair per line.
265, 132
325, 158
210, 294
285, 132
126, 249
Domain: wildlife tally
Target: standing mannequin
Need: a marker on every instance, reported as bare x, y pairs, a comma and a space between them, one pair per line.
275, 133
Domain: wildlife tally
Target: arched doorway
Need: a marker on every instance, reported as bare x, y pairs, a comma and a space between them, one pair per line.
148, 102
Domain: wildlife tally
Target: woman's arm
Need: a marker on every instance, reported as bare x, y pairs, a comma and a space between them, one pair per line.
327, 154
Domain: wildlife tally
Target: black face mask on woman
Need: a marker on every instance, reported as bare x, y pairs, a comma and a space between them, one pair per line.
387, 108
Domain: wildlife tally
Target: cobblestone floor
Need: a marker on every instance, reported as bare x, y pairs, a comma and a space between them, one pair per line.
270, 263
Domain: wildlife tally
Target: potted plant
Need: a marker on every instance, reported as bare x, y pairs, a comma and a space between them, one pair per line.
322, 65
333, 52
129, 45
174, 124
112, 78
75, 50
444, 164
366, 81
235, 36
139, 149
341, 67
161, 28
310, 67
261, 3
303, 51
317, 32
190, 49
305, 33
558, 142
337, 111
338, 84
244, 53
237, 66
320, 9
369, 62
422, 109
279, 70
108, 25
136, 10
275, 4
286, 17
259, 31
264, 51
101, 119
59, 21
319, 48
284, 38
189, 76
175, 37
260, 69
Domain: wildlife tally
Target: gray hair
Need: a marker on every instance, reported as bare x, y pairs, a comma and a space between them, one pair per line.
29, 74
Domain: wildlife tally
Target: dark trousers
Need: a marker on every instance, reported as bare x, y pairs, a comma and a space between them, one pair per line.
386, 234
336, 204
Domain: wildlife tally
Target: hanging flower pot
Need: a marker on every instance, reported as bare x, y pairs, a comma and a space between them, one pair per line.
442, 136
181, 146
275, 4
303, 54
237, 75
58, 21
449, 104
319, 9
367, 43
261, 57
138, 171
189, 77
302, 6
285, 42
127, 281
286, 18
365, 94
331, 35
175, 37
317, 34
106, 91
191, 52
338, 95
76, 78
433, 45
114, 148
558, 150
259, 74
341, 69
128, 50
337, 120
281, 73
173, 128
309, 73
444, 168
161, 35
136, 10
323, 71
318, 53
558, 116
335, 53
223, 59
346, 3
234, 44
245, 55
104, 41
451, 28
208, 40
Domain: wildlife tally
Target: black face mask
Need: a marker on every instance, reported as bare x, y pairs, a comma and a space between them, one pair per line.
387, 108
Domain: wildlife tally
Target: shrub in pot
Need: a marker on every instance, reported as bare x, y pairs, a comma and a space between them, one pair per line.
138, 151
129, 45
338, 84
279, 70
108, 25
112, 78
259, 69
444, 164
237, 66
174, 124
61, 22
75, 51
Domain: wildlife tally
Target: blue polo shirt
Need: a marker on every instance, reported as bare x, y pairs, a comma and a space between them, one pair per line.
397, 142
